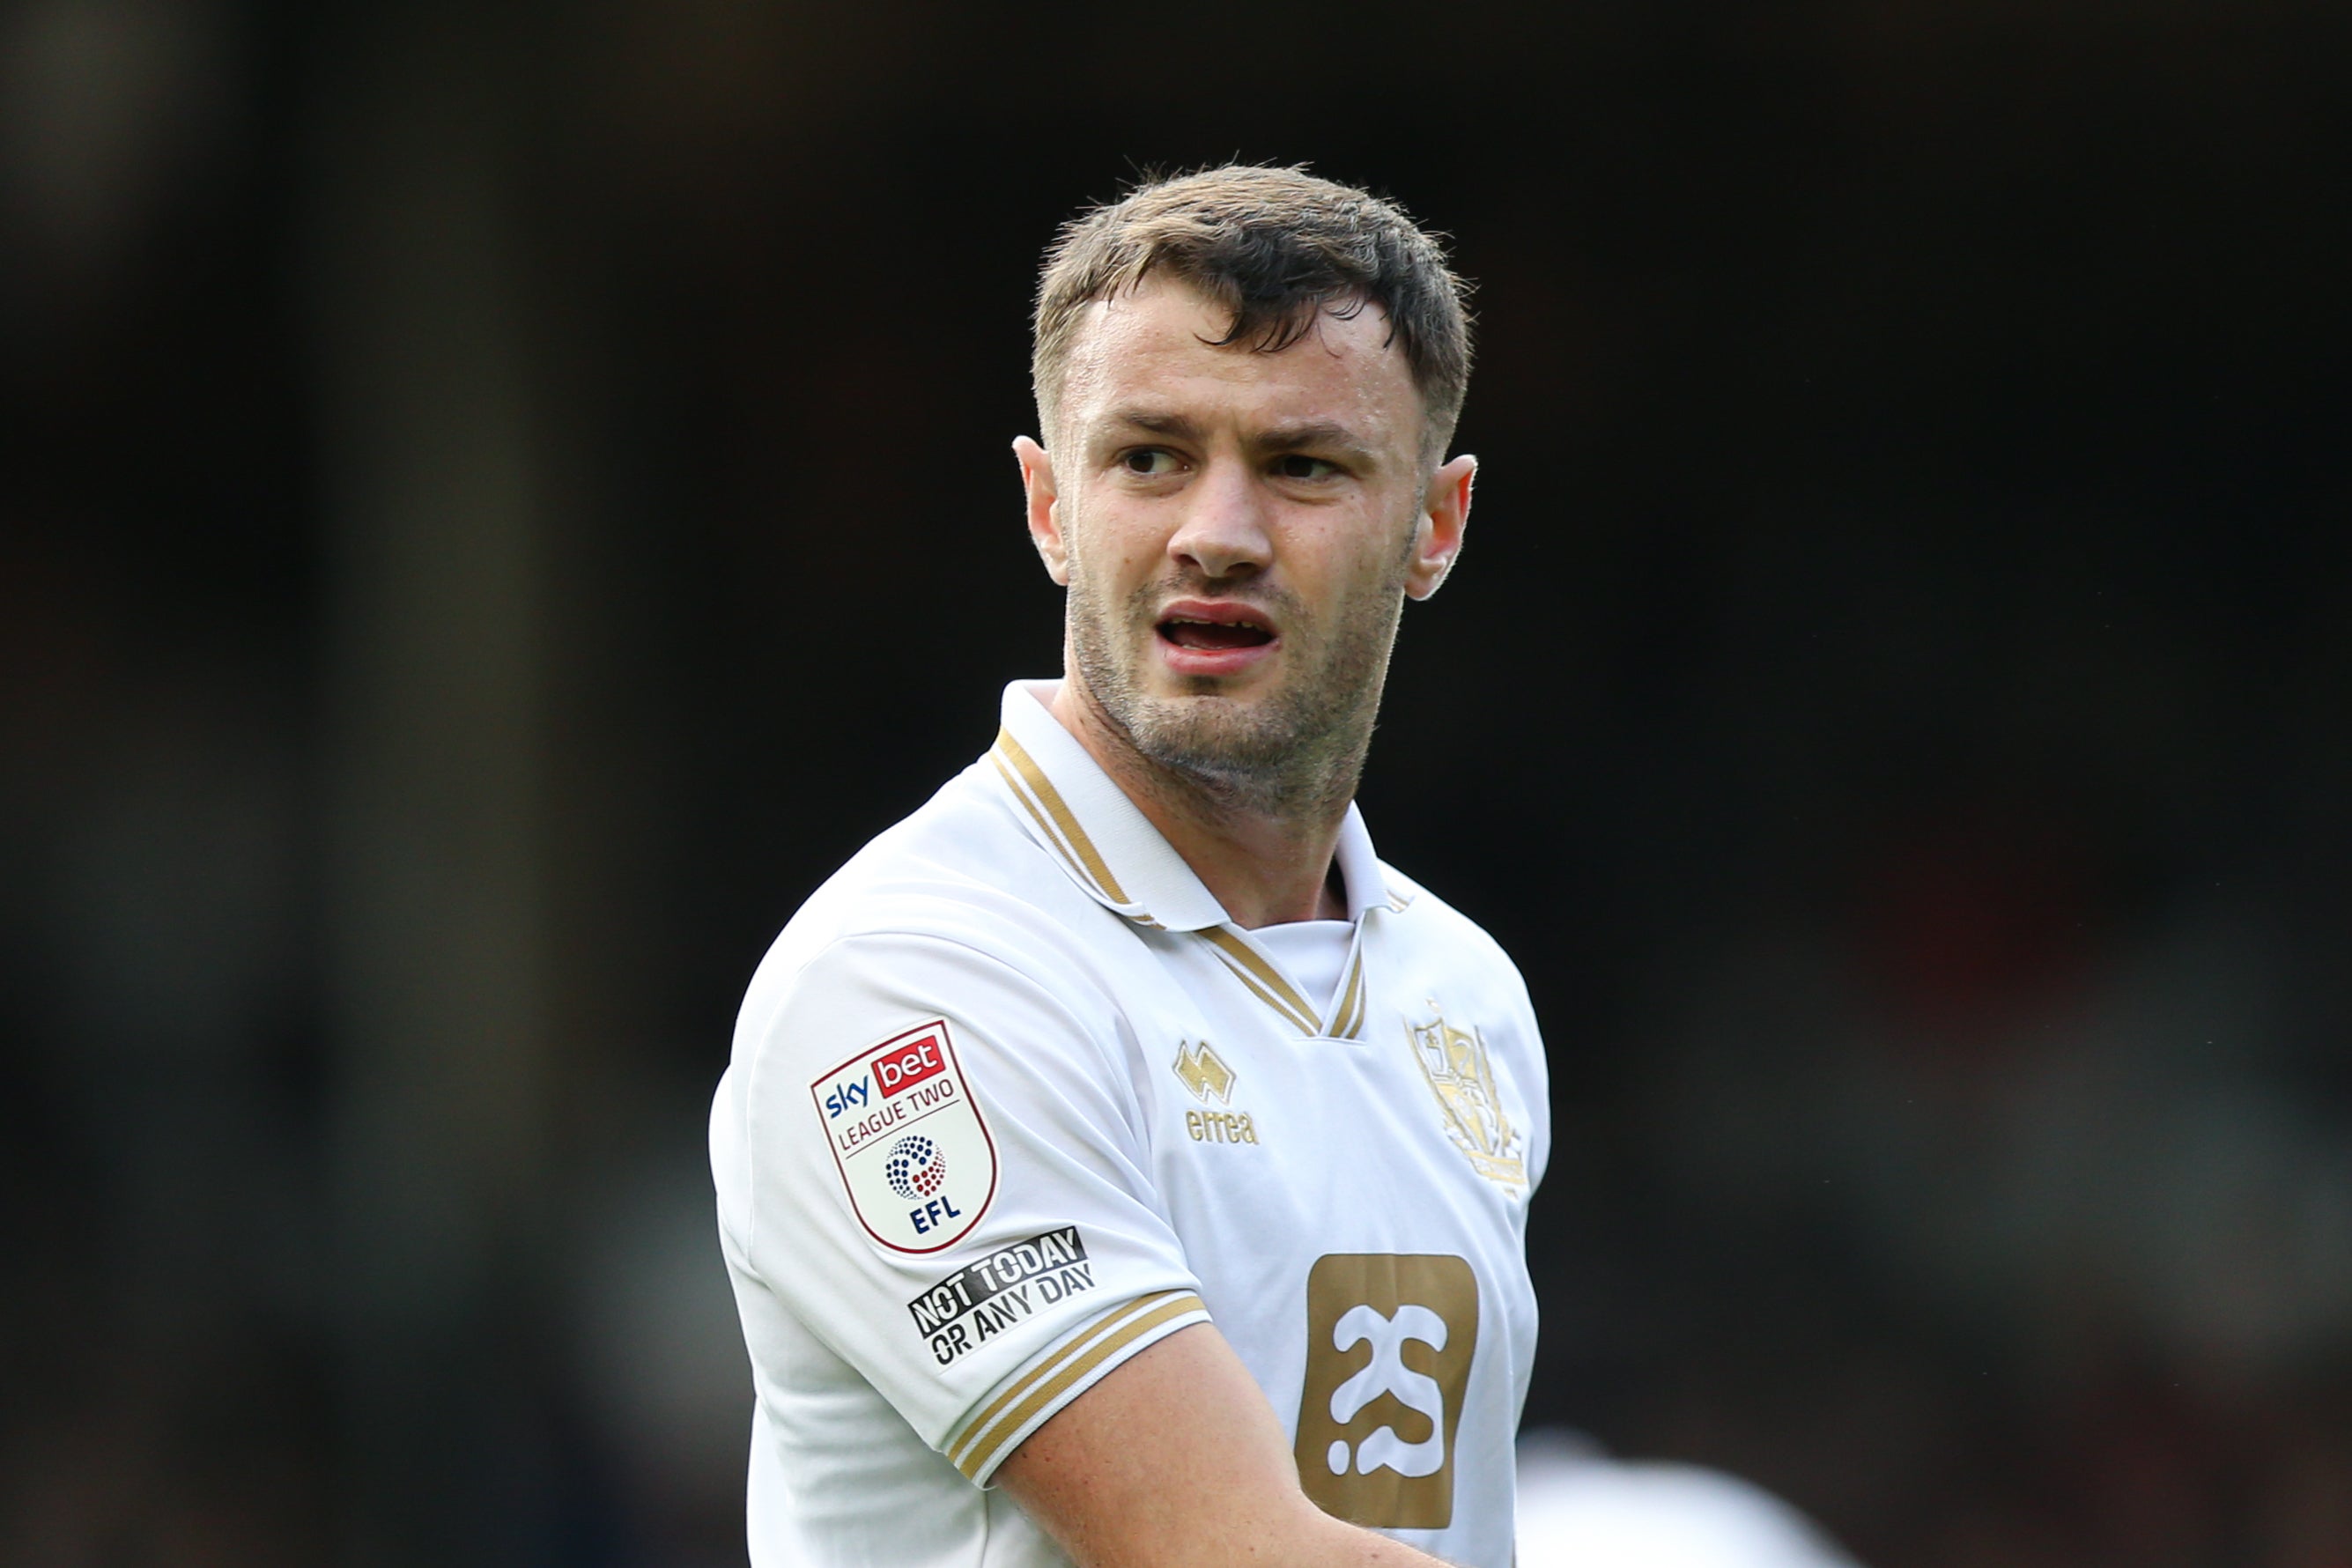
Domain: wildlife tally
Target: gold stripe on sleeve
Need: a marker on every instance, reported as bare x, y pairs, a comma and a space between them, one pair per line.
1050, 1378
1270, 984
1075, 1344
1043, 787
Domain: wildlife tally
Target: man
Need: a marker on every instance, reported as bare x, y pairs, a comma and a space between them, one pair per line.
1118, 1163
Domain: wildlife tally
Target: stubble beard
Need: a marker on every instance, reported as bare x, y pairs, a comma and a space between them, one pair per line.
1297, 749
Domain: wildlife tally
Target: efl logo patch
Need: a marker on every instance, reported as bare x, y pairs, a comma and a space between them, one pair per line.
913, 1150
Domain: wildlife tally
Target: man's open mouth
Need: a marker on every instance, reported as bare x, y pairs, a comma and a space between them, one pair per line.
1213, 636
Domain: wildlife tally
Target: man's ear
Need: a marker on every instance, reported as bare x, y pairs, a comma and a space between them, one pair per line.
1437, 537
1044, 527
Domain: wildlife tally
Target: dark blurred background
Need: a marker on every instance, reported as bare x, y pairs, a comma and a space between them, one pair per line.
496, 501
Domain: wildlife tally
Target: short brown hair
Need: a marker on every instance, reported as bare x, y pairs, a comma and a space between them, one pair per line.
1278, 248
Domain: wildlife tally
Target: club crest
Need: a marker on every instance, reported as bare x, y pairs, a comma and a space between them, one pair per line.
1460, 1074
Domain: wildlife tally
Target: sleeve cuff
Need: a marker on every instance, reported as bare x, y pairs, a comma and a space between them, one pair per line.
1030, 1397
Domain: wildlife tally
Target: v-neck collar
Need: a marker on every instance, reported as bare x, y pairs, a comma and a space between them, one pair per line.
1111, 851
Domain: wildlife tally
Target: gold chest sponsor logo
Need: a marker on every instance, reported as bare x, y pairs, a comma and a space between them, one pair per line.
1203, 1072
1461, 1075
1389, 1340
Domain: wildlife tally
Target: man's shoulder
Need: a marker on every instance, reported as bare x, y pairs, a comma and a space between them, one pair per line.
1426, 918
959, 873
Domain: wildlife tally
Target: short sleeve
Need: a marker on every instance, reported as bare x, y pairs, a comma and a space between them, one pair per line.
940, 1173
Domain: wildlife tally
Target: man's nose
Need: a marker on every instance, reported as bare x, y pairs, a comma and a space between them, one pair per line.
1227, 531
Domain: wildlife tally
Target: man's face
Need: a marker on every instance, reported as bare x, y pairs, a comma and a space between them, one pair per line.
1238, 531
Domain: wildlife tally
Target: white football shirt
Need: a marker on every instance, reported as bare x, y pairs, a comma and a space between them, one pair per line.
1012, 1100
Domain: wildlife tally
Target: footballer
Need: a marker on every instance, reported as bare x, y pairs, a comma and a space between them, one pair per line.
1120, 1163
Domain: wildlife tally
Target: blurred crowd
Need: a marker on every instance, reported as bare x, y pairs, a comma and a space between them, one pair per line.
495, 502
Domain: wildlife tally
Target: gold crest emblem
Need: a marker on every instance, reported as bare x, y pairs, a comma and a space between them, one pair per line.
1205, 1072
1459, 1074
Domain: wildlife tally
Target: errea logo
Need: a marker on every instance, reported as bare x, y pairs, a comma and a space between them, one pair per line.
1203, 1072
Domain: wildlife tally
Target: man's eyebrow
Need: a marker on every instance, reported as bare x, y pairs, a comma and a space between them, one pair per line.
1317, 435
1155, 422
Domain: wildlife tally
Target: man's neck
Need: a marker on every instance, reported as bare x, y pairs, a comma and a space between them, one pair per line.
1266, 868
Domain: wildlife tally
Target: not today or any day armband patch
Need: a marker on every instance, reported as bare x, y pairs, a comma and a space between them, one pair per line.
912, 1146
1001, 1290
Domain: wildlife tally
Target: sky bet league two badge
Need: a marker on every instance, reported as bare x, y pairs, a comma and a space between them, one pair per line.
914, 1153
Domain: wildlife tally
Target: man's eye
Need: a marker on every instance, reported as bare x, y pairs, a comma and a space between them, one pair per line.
1297, 465
1149, 460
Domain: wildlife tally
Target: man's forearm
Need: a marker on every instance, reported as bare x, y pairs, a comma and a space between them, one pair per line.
1175, 1460
1344, 1545
1217, 1537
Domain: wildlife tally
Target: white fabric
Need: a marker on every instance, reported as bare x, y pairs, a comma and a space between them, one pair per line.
1576, 1508
1142, 1125
1312, 952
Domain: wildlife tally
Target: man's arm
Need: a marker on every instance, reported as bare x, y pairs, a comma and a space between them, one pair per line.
1176, 1459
